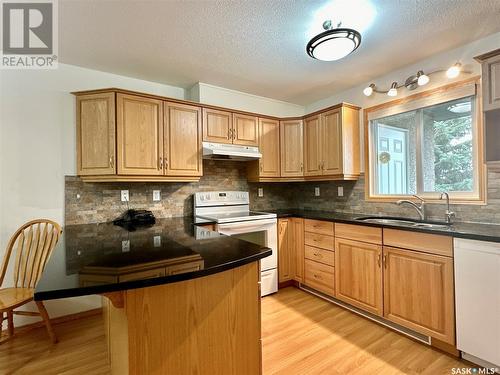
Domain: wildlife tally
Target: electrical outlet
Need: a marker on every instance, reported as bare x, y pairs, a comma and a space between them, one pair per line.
156, 195
157, 241
316, 191
340, 191
261, 192
126, 246
124, 196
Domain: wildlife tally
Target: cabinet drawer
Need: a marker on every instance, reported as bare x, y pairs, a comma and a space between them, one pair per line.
319, 255
148, 274
318, 226
359, 233
320, 277
319, 240
184, 268
425, 242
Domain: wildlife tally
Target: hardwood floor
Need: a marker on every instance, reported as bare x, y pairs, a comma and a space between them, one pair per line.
302, 335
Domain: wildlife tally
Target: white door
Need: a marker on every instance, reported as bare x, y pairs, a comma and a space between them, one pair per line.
392, 162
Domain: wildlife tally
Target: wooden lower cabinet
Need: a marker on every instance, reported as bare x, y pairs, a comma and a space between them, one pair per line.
358, 274
419, 292
319, 276
284, 251
290, 249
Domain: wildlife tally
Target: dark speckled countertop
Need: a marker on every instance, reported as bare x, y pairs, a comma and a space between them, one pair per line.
100, 258
474, 231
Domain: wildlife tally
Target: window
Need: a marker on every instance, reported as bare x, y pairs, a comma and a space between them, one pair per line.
426, 145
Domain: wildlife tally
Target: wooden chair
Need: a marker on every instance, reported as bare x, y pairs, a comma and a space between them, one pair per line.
33, 242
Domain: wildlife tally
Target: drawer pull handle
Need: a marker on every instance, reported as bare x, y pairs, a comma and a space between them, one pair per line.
317, 255
317, 276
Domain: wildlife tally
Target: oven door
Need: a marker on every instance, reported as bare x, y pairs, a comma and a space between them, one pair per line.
260, 232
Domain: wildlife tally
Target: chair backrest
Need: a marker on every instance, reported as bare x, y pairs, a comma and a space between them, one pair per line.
33, 242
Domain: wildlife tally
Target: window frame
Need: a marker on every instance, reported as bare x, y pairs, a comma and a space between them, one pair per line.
478, 196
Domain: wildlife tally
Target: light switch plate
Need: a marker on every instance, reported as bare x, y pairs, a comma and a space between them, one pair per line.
261, 192
124, 196
316, 191
156, 195
340, 191
126, 246
157, 241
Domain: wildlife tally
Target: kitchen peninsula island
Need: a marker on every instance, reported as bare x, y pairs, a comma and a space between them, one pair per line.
178, 300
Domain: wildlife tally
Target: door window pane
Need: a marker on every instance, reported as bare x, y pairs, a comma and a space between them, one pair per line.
394, 144
447, 162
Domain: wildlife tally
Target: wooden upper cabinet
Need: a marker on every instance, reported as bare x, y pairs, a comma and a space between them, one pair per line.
312, 146
217, 126
139, 135
182, 140
490, 69
269, 146
95, 134
358, 274
245, 130
292, 155
331, 142
419, 292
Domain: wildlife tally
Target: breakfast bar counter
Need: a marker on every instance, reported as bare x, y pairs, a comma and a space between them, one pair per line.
179, 299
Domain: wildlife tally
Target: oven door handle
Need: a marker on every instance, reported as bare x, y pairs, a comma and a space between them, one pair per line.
245, 227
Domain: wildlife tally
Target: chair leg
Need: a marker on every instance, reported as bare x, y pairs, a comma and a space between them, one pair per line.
10, 323
46, 319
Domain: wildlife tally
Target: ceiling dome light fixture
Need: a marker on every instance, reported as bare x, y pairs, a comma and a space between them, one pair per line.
422, 78
454, 70
394, 89
334, 43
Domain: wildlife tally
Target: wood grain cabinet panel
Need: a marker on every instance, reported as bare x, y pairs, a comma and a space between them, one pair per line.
319, 240
139, 135
312, 146
298, 246
358, 274
320, 277
284, 251
269, 146
419, 292
245, 130
425, 242
359, 233
95, 134
217, 126
319, 226
331, 142
320, 255
182, 140
292, 154
491, 82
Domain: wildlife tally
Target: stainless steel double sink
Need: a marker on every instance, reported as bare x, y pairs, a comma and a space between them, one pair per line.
403, 222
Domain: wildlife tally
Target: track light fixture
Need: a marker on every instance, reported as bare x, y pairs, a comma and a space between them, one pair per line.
414, 81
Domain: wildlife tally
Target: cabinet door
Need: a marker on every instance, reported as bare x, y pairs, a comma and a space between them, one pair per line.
140, 135
419, 292
269, 146
245, 130
298, 248
95, 134
491, 83
291, 138
284, 251
358, 274
182, 140
331, 136
312, 146
217, 126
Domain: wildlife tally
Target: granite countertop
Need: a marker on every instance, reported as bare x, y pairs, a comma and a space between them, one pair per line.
100, 258
474, 231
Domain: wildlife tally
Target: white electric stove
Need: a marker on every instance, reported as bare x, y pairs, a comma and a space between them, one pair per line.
231, 212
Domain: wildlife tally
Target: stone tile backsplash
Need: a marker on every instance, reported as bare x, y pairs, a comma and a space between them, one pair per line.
100, 202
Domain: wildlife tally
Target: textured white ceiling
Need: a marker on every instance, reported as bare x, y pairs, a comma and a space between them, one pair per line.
258, 46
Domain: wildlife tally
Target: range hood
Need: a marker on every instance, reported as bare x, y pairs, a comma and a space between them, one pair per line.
220, 151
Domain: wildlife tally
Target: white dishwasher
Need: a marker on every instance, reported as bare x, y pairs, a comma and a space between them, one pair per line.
477, 295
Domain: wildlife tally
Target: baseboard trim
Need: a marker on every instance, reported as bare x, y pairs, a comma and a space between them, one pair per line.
58, 320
